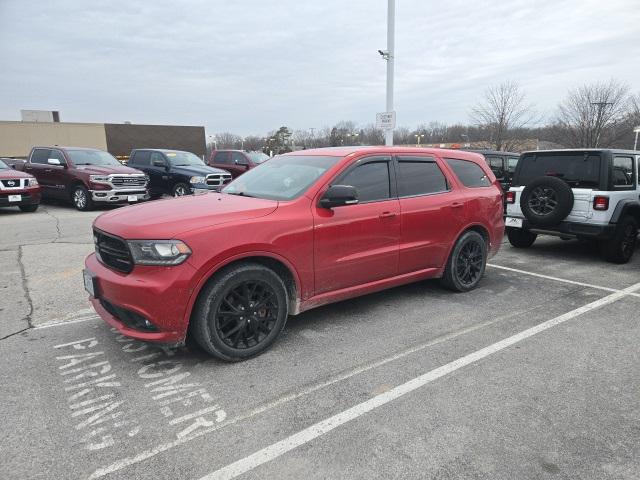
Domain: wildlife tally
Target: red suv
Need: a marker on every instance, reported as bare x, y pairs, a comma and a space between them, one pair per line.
301, 230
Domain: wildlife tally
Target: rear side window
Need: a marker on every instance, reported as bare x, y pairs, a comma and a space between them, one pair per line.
420, 176
512, 164
140, 158
622, 174
496, 165
469, 173
40, 155
222, 157
577, 169
371, 181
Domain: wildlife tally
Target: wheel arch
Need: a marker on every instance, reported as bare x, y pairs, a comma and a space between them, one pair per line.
628, 207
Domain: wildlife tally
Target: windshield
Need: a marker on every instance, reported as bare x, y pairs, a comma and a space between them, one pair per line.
3, 166
579, 170
258, 157
92, 157
184, 159
281, 178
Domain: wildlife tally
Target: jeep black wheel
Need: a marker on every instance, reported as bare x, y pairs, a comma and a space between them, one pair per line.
180, 190
466, 263
620, 248
241, 312
546, 201
521, 238
81, 198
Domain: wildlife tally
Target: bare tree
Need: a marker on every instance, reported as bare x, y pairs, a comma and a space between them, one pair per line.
592, 115
228, 140
253, 143
502, 111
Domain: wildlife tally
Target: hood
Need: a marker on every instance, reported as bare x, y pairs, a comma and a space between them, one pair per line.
167, 219
196, 170
11, 173
106, 170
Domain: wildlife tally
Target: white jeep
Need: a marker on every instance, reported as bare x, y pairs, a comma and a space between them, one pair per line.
590, 194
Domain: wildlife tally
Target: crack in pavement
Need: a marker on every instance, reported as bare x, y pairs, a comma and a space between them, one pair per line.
25, 288
15, 333
47, 212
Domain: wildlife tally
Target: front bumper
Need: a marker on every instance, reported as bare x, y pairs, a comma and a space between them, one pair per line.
118, 196
27, 197
158, 294
200, 188
572, 229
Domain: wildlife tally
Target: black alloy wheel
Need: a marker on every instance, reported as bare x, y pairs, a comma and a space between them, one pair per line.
621, 247
467, 262
546, 201
180, 190
543, 201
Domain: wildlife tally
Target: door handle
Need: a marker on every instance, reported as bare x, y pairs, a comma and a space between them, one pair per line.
47, 170
457, 205
387, 215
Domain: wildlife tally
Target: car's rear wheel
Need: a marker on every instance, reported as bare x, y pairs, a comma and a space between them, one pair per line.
180, 190
241, 312
620, 248
466, 263
81, 198
520, 238
29, 208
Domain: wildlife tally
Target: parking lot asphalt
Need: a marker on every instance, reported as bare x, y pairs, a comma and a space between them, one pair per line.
533, 375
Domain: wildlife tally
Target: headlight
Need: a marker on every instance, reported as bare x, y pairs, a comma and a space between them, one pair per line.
32, 182
197, 180
99, 178
159, 252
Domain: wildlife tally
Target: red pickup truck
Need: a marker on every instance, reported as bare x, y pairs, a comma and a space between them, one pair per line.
84, 176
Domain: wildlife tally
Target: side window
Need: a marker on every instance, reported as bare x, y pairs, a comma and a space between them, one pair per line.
371, 181
40, 155
419, 176
157, 156
513, 163
222, 157
496, 165
57, 154
470, 174
141, 158
622, 171
239, 158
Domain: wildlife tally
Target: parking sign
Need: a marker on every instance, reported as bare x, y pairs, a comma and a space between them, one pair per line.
386, 120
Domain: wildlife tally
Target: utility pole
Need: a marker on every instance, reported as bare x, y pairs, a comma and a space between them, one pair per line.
635, 143
391, 20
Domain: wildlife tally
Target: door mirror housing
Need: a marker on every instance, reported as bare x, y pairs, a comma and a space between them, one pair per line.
159, 163
241, 163
339, 195
55, 161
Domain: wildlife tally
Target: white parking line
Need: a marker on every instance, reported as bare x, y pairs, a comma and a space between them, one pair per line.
314, 431
67, 322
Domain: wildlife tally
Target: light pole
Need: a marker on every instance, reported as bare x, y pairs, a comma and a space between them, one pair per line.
635, 143
389, 56
464, 135
354, 136
418, 137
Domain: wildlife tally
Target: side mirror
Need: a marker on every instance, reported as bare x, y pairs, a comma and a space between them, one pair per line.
159, 163
339, 195
241, 164
54, 161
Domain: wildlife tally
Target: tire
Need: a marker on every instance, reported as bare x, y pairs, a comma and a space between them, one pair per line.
218, 323
520, 238
620, 248
180, 190
29, 208
466, 263
546, 201
81, 198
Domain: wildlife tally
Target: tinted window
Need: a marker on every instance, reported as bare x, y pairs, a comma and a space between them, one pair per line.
371, 181
40, 155
470, 174
141, 158
57, 154
496, 165
221, 157
3, 166
157, 157
513, 162
622, 174
577, 169
238, 158
419, 177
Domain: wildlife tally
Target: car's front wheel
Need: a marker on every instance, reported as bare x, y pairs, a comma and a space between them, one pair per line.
180, 190
241, 312
466, 263
81, 198
520, 238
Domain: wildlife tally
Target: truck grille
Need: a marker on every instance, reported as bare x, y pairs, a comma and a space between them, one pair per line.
14, 183
218, 179
112, 251
128, 181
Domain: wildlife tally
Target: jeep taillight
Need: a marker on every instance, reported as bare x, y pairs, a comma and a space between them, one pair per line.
601, 203
511, 197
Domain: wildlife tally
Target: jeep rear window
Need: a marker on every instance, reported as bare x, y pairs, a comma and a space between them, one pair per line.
578, 170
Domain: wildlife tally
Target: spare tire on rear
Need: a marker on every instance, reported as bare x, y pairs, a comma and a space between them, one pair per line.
546, 201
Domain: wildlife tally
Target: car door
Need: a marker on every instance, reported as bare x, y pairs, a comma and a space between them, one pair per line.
240, 162
223, 160
57, 174
357, 244
431, 213
38, 167
159, 177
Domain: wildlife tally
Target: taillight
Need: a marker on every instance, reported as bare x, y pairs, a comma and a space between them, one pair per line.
601, 203
511, 197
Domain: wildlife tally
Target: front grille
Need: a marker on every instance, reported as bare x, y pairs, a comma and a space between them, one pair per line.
128, 181
130, 318
13, 183
218, 179
112, 251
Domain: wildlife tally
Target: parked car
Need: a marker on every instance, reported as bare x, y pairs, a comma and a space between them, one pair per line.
502, 164
588, 194
177, 173
18, 189
236, 162
84, 176
301, 230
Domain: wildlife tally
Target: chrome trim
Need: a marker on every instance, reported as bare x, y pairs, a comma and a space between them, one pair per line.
121, 195
113, 176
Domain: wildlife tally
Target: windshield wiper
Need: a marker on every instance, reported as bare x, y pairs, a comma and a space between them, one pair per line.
241, 194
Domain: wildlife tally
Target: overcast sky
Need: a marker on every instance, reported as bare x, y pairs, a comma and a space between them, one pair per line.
251, 66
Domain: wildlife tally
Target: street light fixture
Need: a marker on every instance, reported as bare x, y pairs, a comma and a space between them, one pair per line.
418, 137
354, 135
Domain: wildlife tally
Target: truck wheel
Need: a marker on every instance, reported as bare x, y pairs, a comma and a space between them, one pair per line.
241, 312
466, 263
81, 198
520, 238
180, 190
29, 208
620, 248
